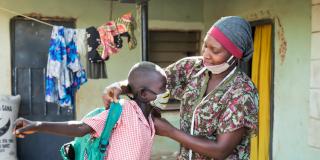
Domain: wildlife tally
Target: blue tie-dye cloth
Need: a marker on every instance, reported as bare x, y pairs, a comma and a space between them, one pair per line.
65, 73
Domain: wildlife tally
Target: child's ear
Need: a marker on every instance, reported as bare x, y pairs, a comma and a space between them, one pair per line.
143, 94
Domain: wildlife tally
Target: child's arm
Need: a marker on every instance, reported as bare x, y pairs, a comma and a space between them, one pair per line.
71, 128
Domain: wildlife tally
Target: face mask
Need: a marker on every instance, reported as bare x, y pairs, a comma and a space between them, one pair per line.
217, 69
161, 100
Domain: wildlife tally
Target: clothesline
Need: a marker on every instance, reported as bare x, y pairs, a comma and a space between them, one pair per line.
63, 82
34, 19
19, 14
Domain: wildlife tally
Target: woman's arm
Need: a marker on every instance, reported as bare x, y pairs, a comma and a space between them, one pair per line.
219, 149
71, 128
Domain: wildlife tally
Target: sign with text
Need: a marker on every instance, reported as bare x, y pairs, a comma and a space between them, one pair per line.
9, 106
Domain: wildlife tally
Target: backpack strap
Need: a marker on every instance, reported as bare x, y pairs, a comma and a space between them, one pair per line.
113, 116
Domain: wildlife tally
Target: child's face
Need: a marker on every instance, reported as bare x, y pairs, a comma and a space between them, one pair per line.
148, 88
161, 99
155, 89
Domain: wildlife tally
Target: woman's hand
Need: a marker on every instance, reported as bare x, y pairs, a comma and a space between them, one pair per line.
23, 126
219, 149
163, 127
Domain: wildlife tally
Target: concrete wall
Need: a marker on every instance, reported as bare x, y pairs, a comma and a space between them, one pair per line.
163, 14
291, 81
173, 15
5, 70
87, 13
314, 123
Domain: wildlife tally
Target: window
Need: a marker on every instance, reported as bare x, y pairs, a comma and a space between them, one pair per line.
166, 47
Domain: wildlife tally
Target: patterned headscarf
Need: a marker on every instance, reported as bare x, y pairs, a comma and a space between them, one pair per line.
234, 33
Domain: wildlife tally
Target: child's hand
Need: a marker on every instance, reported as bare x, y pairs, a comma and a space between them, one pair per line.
23, 126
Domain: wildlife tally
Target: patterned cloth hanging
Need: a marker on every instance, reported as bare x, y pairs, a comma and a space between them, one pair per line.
128, 21
65, 73
115, 29
96, 67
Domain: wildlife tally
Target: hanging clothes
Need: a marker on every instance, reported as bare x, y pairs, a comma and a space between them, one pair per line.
81, 42
93, 41
73, 59
65, 73
82, 46
115, 29
96, 67
96, 70
107, 31
129, 23
118, 40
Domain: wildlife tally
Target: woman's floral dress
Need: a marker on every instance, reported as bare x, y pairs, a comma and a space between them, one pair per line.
232, 105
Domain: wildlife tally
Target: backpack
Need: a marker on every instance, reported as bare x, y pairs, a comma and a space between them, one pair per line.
93, 148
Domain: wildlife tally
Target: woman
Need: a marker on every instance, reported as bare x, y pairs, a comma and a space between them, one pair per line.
219, 102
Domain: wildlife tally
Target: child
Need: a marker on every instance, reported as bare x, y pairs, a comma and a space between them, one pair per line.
133, 134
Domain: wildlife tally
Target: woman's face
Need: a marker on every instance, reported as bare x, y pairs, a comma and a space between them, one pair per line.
213, 52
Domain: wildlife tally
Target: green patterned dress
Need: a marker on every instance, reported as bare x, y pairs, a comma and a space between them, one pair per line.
232, 105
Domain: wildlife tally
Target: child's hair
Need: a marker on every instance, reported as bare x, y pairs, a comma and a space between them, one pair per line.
142, 74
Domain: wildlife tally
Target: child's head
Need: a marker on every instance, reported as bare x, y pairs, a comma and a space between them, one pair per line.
147, 82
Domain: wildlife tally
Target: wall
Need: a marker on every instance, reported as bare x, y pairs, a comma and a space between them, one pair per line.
88, 13
291, 110
291, 81
163, 14
176, 10
314, 123
94, 13
5, 78
173, 15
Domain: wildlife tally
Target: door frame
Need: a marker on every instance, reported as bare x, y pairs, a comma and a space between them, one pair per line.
51, 20
14, 76
272, 22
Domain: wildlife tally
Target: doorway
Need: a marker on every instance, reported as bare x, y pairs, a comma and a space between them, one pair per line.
30, 42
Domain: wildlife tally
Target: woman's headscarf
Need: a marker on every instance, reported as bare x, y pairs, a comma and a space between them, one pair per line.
234, 33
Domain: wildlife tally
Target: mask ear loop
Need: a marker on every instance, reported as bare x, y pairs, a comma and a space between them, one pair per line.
232, 60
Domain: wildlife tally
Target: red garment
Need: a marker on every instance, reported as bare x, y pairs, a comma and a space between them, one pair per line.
132, 136
110, 29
